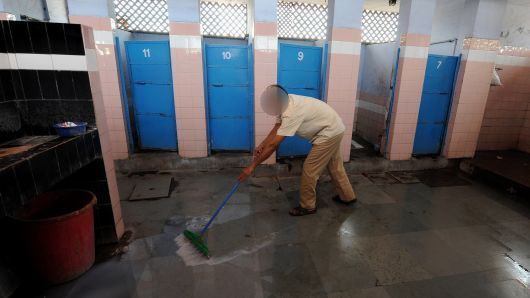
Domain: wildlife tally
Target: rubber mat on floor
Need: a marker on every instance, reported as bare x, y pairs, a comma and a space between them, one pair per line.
441, 178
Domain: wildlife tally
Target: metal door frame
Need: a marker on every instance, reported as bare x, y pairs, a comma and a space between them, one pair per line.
455, 79
123, 91
250, 74
391, 104
129, 72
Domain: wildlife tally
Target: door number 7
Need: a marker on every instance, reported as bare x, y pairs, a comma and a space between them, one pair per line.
439, 64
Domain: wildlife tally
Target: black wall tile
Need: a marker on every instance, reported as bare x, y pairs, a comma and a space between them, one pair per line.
45, 169
7, 39
89, 144
30, 83
10, 122
65, 166
48, 84
65, 84
73, 155
8, 191
17, 84
82, 150
39, 37
21, 39
74, 39
2, 95
56, 38
25, 181
6, 80
82, 85
97, 144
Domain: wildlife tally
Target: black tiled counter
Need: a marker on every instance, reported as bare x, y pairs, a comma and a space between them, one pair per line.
26, 174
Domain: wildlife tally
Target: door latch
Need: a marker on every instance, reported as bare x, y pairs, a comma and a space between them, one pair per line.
217, 85
141, 82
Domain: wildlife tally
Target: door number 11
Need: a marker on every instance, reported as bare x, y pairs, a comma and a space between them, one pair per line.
147, 53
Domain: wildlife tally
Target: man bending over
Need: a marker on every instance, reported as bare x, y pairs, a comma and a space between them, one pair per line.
317, 122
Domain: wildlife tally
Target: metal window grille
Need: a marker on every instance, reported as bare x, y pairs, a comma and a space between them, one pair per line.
142, 15
302, 20
379, 26
223, 19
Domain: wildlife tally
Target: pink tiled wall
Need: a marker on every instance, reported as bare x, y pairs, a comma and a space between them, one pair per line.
265, 74
343, 71
370, 123
5, 16
105, 56
524, 137
470, 96
407, 95
188, 88
104, 121
507, 105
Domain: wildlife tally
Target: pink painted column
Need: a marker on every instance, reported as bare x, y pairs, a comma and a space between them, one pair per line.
101, 65
105, 57
343, 71
414, 50
481, 25
470, 96
265, 74
344, 42
415, 24
188, 88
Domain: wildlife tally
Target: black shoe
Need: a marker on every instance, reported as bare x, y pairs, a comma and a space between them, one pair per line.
299, 211
339, 200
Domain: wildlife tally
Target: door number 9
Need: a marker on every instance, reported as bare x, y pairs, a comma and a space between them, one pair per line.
300, 56
227, 55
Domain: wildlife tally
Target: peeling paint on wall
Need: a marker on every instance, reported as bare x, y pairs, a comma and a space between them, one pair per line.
516, 26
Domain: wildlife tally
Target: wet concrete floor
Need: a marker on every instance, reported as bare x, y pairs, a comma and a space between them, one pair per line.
399, 240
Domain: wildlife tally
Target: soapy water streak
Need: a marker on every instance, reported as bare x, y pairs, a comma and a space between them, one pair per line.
192, 257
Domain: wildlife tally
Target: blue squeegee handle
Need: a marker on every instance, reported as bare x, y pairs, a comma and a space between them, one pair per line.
234, 188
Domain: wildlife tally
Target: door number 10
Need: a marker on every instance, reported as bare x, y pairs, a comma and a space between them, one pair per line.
147, 53
227, 55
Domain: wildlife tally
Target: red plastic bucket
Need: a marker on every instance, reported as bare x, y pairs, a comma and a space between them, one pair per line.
55, 233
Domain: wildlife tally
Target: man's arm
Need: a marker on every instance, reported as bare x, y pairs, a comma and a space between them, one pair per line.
269, 137
268, 149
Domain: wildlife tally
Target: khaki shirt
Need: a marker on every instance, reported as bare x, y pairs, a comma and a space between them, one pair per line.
309, 118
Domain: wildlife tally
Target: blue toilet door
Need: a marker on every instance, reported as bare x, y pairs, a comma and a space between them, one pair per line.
152, 90
299, 71
229, 106
435, 102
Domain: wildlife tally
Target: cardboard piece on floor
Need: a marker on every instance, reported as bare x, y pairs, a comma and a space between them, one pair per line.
405, 177
154, 188
381, 178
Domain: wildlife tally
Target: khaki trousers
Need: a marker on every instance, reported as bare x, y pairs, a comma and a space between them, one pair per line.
323, 155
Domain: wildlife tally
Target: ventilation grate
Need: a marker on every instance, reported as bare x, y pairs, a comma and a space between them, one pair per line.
223, 19
302, 20
142, 15
379, 26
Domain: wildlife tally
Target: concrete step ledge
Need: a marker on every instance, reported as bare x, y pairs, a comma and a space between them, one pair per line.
155, 162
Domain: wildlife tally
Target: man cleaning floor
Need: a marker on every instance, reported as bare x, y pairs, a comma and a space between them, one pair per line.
317, 122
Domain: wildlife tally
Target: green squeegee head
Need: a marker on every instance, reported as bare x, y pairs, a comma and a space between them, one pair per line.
197, 241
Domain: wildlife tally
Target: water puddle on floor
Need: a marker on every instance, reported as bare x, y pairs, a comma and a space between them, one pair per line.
192, 257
